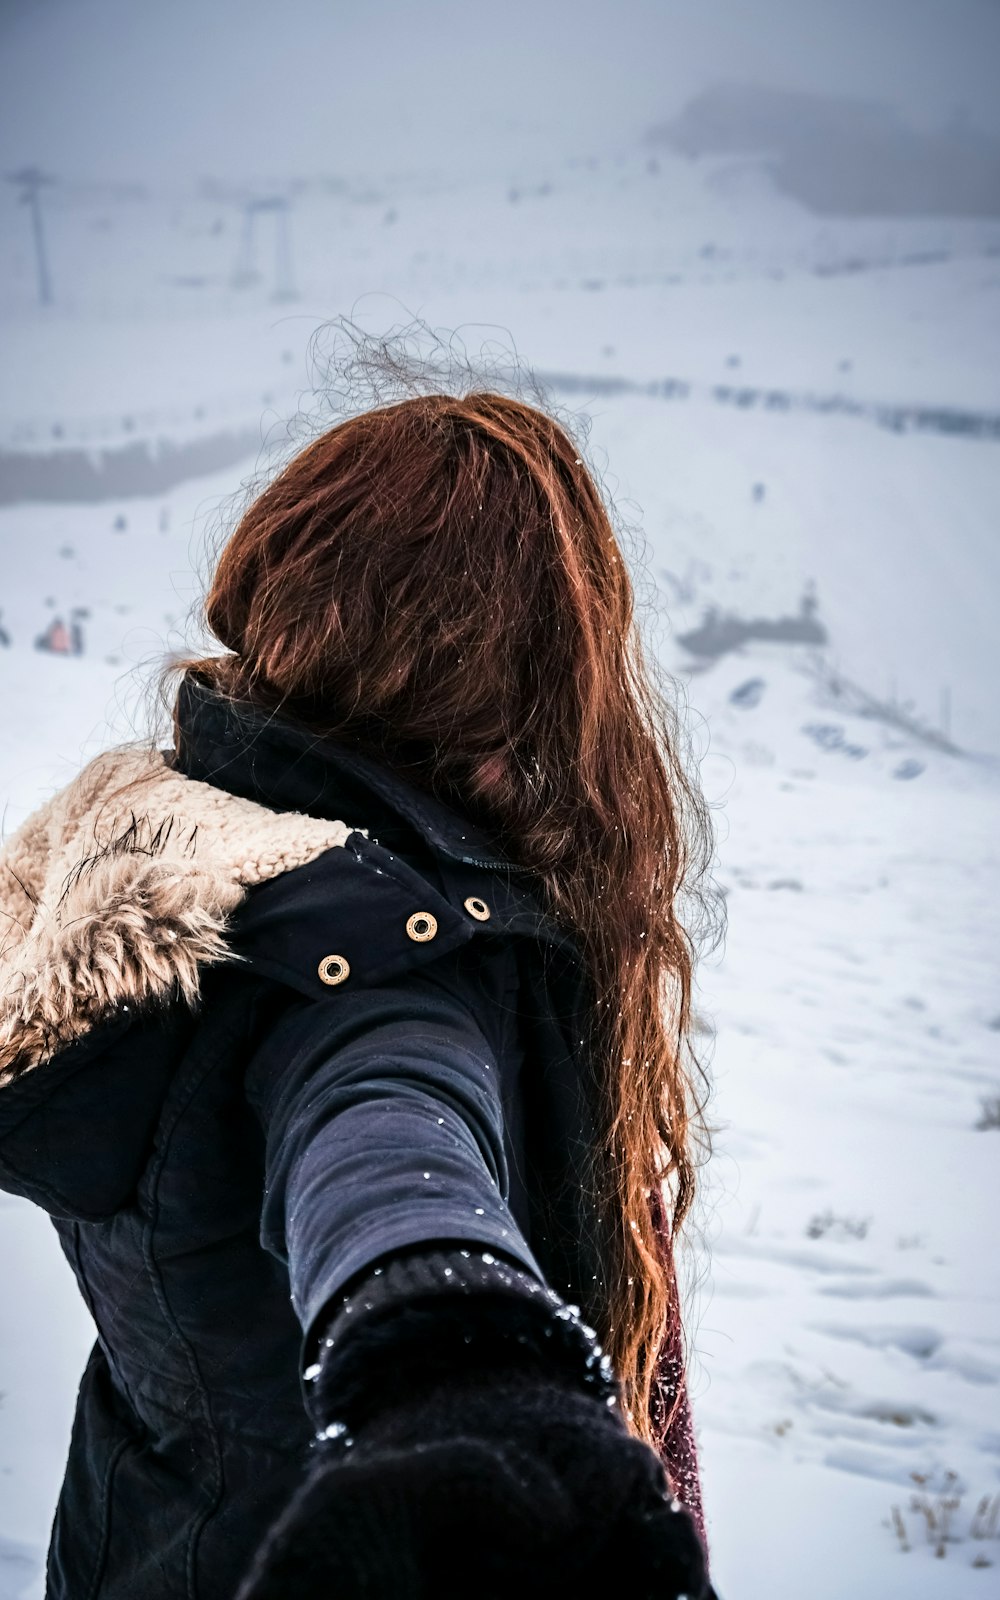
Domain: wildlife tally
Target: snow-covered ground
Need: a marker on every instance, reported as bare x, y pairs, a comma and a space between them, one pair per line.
845, 1287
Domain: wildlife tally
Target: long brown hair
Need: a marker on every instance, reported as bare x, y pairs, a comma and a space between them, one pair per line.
438, 580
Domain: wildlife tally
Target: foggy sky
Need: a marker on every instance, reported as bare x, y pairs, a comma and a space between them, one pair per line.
173, 90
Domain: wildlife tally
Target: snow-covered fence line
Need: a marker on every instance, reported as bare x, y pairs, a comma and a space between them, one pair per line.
835, 689
36, 469
898, 416
142, 467
110, 430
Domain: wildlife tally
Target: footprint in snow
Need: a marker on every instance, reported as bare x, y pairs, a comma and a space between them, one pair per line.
864, 1461
748, 694
880, 1289
893, 1413
830, 737
815, 1260
914, 1340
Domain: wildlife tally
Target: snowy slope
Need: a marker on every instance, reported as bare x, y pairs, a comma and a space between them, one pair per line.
844, 1282
848, 1332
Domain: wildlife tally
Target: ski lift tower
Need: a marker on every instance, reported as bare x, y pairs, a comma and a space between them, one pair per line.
31, 181
246, 272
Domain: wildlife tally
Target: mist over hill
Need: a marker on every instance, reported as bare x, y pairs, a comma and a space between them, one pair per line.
844, 156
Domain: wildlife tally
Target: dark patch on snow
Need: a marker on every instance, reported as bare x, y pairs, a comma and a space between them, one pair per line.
748, 694
829, 737
721, 632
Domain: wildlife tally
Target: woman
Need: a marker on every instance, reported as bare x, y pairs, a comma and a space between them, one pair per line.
372, 993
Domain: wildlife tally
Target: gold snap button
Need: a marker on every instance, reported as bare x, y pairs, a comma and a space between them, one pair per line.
334, 969
422, 926
477, 908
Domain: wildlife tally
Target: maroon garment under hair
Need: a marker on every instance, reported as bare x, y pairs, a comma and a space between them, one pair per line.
669, 1408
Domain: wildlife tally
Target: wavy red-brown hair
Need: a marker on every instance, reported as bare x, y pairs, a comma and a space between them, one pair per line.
439, 581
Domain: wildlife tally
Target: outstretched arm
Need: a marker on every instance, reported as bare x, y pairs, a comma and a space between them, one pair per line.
468, 1431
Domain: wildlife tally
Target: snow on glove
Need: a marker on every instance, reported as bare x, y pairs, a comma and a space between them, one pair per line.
474, 1447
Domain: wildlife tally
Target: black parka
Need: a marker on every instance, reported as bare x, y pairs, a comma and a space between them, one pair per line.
219, 1174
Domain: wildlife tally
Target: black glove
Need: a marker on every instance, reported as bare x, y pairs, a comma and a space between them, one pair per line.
474, 1448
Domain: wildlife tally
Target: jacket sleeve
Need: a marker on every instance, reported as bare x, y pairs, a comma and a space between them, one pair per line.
383, 1114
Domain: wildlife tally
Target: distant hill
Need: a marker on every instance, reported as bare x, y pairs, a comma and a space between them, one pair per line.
842, 156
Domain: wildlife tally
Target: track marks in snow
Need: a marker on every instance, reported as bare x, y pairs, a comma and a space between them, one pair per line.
975, 1361
851, 1332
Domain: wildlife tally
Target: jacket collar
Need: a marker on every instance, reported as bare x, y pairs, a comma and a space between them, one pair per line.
120, 890
263, 757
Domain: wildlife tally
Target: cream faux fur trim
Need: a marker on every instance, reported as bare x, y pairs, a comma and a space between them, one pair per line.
119, 890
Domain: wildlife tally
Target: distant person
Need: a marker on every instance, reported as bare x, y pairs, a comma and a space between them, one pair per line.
55, 638
4, 635
338, 1043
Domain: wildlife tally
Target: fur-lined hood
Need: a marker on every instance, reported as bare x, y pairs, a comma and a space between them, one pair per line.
120, 889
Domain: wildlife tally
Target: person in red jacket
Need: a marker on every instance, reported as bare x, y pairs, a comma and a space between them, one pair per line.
55, 638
